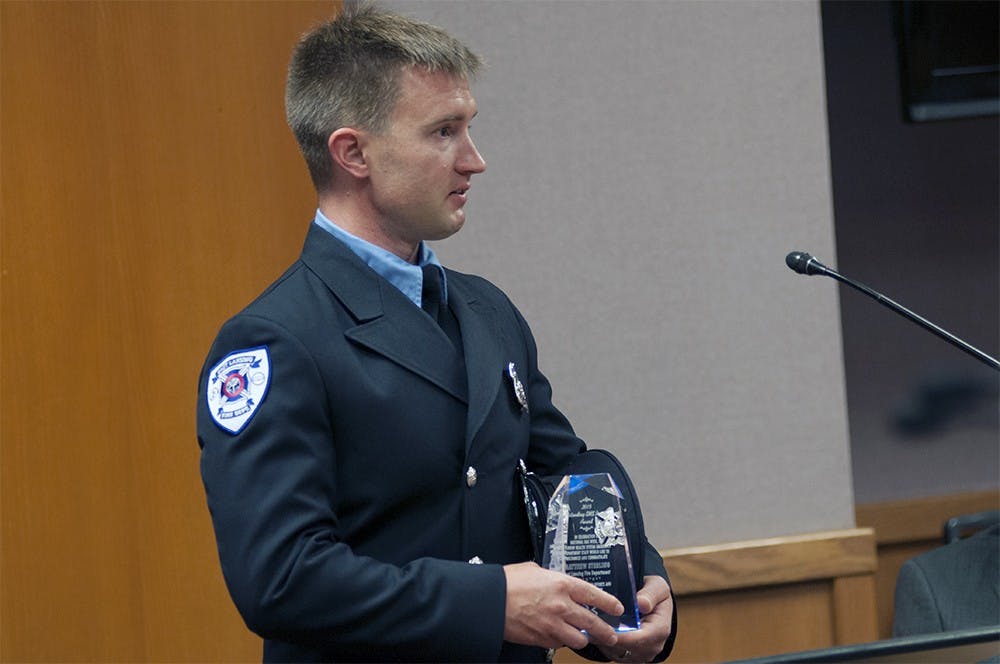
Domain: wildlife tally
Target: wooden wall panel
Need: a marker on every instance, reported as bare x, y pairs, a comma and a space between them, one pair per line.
854, 614
775, 595
723, 626
150, 188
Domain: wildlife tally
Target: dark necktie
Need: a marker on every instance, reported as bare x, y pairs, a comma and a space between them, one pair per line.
430, 297
432, 301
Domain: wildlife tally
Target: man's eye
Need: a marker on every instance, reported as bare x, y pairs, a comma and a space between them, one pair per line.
444, 132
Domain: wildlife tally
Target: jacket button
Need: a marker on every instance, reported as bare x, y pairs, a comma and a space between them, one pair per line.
471, 477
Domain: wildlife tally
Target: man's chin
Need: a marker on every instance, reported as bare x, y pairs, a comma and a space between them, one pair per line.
445, 231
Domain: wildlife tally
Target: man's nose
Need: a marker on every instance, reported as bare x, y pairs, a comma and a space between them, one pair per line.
472, 161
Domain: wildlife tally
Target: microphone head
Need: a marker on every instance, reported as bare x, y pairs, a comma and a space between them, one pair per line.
798, 261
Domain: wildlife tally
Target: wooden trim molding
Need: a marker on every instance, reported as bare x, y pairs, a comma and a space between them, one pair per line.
919, 519
772, 561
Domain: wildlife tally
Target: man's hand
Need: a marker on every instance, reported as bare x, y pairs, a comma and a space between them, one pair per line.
656, 606
545, 608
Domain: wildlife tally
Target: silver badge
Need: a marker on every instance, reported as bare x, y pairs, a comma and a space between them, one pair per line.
519, 393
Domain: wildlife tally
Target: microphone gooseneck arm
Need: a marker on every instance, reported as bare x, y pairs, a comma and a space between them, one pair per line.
803, 263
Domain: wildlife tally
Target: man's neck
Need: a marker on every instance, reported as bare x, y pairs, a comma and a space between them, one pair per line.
352, 213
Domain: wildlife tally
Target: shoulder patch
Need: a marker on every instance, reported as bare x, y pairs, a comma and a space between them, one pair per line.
237, 386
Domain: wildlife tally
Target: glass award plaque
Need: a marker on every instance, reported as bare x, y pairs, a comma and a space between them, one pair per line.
585, 537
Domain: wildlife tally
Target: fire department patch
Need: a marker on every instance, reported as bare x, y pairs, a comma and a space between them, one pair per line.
237, 386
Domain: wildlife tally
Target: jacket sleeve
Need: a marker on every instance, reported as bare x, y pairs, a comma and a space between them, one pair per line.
271, 491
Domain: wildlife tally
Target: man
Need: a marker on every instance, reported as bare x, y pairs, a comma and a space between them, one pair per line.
359, 453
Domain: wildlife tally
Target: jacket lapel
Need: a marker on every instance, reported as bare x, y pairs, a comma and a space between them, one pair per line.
419, 346
388, 323
484, 360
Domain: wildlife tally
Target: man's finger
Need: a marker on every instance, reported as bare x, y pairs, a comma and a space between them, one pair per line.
590, 595
654, 591
599, 632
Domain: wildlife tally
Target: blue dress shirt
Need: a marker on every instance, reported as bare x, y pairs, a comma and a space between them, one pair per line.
407, 277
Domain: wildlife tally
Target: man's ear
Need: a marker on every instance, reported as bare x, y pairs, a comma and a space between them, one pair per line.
345, 147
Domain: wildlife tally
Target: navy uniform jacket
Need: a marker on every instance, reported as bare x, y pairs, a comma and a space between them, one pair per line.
348, 507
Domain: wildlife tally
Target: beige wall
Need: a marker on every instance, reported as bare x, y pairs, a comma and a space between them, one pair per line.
650, 164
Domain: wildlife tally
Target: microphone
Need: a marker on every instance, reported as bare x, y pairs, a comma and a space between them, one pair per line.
803, 263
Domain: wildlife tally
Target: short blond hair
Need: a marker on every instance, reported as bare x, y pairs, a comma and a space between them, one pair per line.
345, 73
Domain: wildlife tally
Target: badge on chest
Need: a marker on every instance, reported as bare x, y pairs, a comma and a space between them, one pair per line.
515, 384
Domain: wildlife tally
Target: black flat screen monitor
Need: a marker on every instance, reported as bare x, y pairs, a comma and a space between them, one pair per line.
949, 58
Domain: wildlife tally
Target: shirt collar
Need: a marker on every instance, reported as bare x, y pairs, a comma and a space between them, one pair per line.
406, 277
